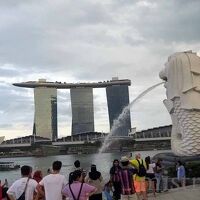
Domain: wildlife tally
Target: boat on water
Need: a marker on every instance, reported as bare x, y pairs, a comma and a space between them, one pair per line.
7, 166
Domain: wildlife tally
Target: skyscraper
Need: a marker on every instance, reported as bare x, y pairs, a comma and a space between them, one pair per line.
45, 93
82, 110
117, 99
45, 119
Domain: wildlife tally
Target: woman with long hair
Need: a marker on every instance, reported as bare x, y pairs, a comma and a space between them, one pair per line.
38, 177
115, 179
150, 174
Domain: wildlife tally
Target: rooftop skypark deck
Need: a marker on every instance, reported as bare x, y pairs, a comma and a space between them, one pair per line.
64, 85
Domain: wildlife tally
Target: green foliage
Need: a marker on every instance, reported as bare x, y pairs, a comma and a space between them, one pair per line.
171, 172
193, 169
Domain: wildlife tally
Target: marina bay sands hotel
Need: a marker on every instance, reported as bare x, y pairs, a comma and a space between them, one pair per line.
45, 99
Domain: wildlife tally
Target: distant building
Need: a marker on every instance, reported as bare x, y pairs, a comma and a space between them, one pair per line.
153, 138
155, 132
118, 99
45, 118
45, 94
2, 139
82, 110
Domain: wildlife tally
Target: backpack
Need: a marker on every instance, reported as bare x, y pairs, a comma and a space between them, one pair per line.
141, 169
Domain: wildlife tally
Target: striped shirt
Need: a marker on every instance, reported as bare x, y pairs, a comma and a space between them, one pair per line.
126, 179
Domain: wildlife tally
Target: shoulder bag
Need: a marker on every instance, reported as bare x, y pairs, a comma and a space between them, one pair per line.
22, 197
78, 193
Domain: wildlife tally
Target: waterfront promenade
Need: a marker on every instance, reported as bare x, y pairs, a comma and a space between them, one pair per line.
187, 193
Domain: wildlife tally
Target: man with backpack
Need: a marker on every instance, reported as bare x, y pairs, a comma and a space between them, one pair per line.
139, 178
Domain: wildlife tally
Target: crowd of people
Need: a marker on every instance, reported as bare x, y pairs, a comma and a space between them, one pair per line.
129, 179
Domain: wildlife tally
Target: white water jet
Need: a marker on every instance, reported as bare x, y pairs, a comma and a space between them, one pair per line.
122, 118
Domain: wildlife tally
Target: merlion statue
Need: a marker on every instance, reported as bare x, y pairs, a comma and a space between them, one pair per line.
182, 76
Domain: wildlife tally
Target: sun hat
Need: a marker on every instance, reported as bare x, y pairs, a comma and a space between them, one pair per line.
124, 159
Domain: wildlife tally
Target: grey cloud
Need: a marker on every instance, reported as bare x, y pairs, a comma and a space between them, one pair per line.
64, 109
8, 73
170, 21
63, 105
8, 89
33, 34
150, 111
15, 107
11, 3
63, 95
82, 45
91, 41
4, 126
87, 13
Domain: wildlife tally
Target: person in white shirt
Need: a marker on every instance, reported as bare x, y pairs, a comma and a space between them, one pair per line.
18, 187
53, 183
150, 174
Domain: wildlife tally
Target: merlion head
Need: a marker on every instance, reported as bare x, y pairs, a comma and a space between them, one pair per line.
182, 82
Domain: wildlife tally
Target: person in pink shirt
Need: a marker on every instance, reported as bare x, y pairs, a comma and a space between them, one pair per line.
76, 189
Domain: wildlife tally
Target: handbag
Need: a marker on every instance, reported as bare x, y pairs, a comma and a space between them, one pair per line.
22, 196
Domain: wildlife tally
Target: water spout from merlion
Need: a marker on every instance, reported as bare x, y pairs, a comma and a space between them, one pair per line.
122, 118
182, 76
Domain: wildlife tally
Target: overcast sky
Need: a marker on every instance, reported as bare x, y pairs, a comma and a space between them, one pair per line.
90, 40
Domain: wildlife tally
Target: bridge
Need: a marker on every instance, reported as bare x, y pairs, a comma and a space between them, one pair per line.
155, 138
15, 145
152, 139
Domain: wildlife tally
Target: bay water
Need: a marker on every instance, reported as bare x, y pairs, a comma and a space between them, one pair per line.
103, 162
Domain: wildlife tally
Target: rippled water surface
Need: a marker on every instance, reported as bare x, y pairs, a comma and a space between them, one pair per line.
103, 162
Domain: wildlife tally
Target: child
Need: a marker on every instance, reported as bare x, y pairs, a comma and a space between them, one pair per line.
107, 190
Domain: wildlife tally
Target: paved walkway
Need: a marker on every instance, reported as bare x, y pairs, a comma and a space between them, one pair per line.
187, 193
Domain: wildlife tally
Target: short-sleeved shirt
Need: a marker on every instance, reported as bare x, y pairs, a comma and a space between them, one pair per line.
18, 187
75, 187
53, 185
151, 168
181, 172
136, 165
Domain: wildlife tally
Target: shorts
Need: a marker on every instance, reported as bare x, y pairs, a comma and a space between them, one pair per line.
128, 197
140, 186
150, 177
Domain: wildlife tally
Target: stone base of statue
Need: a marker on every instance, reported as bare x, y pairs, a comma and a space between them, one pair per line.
191, 163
